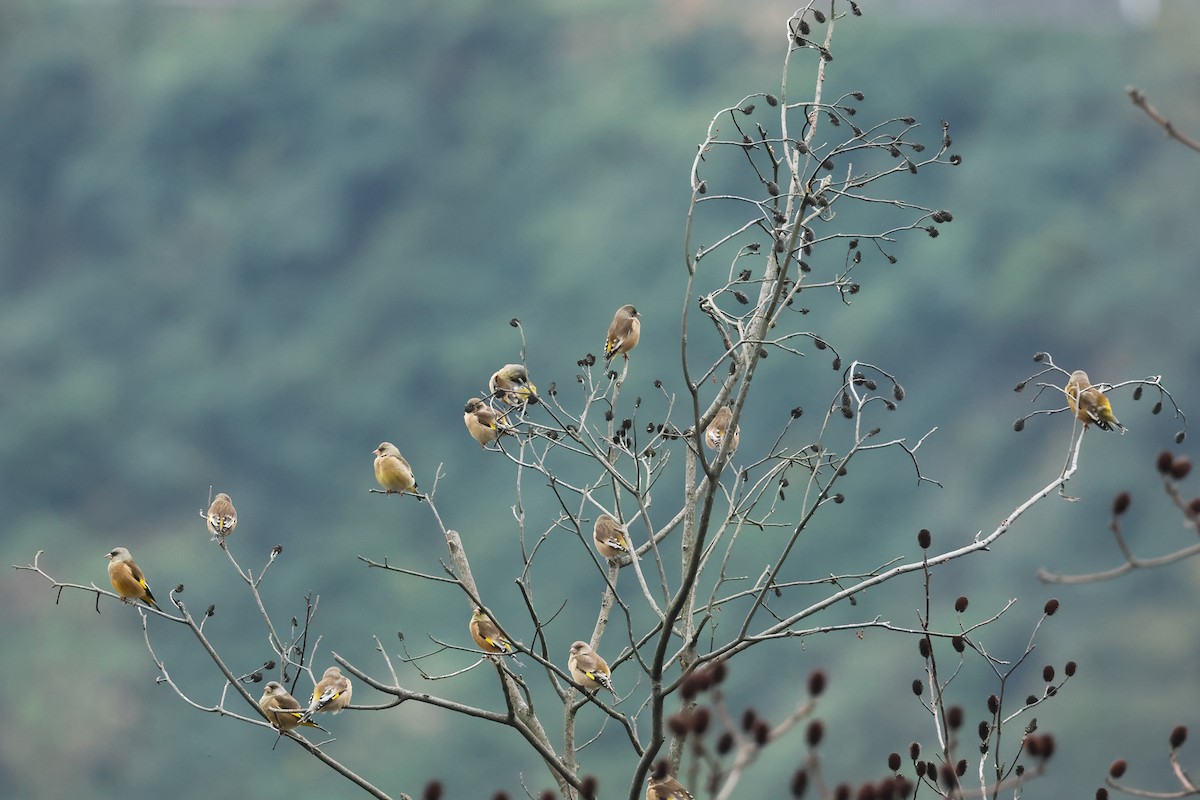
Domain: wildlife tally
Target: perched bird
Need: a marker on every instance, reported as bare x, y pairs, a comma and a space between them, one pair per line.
392, 471
666, 788
127, 578
511, 384
222, 517
716, 431
1089, 404
332, 693
483, 422
611, 539
281, 709
487, 635
623, 333
588, 669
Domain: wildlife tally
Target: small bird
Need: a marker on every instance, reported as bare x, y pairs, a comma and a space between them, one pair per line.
666, 788
716, 431
611, 539
332, 693
392, 471
489, 637
511, 384
483, 422
1089, 404
281, 709
588, 669
623, 333
222, 517
127, 578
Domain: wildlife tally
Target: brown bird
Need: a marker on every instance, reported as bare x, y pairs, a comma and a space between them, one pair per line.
222, 517
511, 384
1089, 404
392, 471
623, 333
718, 429
332, 693
611, 539
483, 423
489, 637
281, 709
127, 578
666, 788
588, 669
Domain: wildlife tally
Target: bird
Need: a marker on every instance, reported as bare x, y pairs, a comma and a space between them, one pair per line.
222, 517
281, 709
127, 578
588, 669
483, 423
392, 471
611, 539
487, 635
1089, 404
332, 693
717, 430
623, 333
511, 384
666, 788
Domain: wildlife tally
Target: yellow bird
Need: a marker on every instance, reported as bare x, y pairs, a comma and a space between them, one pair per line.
623, 333
1089, 404
222, 517
611, 539
588, 669
489, 637
281, 709
718, 429
666, 789
511, 384
332, 693
483, 423
392, 471
127, 578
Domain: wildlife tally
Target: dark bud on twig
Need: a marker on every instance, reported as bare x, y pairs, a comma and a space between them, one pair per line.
1193, 508
433, 790
516, 323
741, 297
717, 672
924, 538
818, 15
1179, 437
749, 717
814, 733
1019, 387
256, 676
547, 795
959, 643
700, 719
931, 229
898, 392
771, 99
747, 109
894, 761
918, 687
799, 783
608, 415
1031, 700
1019, 425
1102, 793
553, 389
797, 412
1178, 736
993, 704
839, 498
1048, 673
947, 776
702, 187
679, 724
960, 605
837, 363
1164, 461
985, 730
761, 733
179, 588
854, 9
772, 188
1051, 607
588, 787
1157, 408
1117, 768
923, 647
954, 718
920, 769
816, 682
960, 768
1121, 503
955, 159
914, 751
276, 550
208, 612
1180, 468
724, 743
1069, 668
1137, 393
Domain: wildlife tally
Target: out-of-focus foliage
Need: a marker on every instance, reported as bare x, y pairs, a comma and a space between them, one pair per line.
240, 244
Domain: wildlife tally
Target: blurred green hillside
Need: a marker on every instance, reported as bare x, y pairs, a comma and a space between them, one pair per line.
240, 244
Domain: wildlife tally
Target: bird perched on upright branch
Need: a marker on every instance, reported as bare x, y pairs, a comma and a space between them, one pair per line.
611, 539
511, 384
222, 517
487, 635
718, 429
392, 471
127, 578
623, 333
483, 423
588, 669
1089, 404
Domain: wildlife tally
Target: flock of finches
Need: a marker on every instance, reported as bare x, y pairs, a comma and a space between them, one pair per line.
511, 385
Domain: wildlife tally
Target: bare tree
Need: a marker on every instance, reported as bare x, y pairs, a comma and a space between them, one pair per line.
793, 197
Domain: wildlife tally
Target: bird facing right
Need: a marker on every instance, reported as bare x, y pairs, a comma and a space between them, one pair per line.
1088, 403
666, 788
